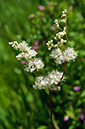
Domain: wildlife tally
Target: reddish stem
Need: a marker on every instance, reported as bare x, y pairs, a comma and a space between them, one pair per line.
32, 61
67, 40
62, 75
50, 109
35, 67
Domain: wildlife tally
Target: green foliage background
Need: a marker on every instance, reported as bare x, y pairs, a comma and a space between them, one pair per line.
20, 106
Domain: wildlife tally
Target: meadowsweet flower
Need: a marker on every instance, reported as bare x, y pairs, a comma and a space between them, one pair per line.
20, 56
49, 82
27, 52
34, 64
59, 35
56, 54
56, 24
50, 44
29, 55
67, 55
14, 44
63, 16
65, 11
70, 54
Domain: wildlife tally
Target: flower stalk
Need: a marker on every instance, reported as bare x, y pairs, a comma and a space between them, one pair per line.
50, 109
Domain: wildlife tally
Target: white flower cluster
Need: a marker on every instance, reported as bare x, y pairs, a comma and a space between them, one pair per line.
27, 52
67, 55
49, 82
70, 54
29, 55
57, 54
53, 79
34, 64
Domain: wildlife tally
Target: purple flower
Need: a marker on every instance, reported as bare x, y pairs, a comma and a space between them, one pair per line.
76, 88
53, 28
66, 118
40, 7
36, 43
82, 115
70, 7
34, 47
23, 62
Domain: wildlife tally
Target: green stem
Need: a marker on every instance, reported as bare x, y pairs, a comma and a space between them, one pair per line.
50, 109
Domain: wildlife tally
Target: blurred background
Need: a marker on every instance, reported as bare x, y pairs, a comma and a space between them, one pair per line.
21, 107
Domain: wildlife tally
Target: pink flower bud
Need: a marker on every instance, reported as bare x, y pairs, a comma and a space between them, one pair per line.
66, 118
36, 43
40, 7
53, 28
34, 47
23, 62
76, 88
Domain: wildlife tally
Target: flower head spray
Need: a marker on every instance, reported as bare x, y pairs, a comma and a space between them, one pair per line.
52, 81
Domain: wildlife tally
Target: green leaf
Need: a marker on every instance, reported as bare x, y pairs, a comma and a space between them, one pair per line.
42, 127
82, 94
82, 52
72, 43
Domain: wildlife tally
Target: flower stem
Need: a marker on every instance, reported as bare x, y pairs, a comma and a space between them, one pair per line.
50, 109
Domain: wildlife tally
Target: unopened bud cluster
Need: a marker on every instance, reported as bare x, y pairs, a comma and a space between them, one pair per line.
64, 18
60, 35
56, 24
